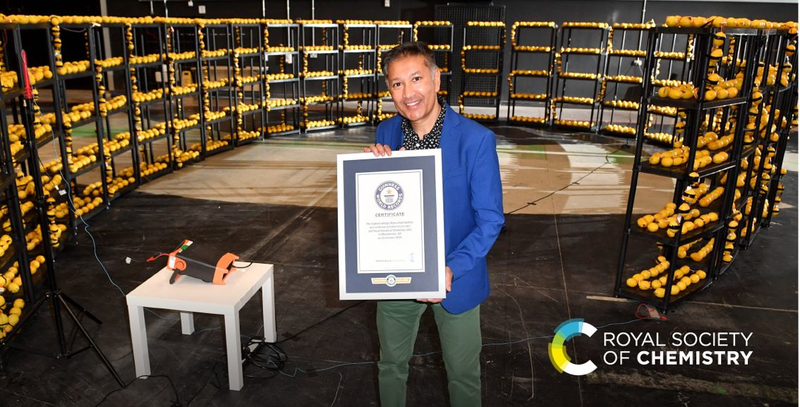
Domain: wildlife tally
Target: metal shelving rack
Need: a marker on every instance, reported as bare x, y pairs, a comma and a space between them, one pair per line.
704, 201
320, 39
151, 107
282, 38
613, 104
184, 93
673, 56
358, 68
519, 80
14, 260
249, 67
81, 163
386, 33
443, 52
490, 73
598, 34
119, 146
215, 81
766, 117
27, 184
48, 132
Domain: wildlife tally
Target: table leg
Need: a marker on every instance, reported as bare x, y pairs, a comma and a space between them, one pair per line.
187, 323
141, 356
233, 342
268, 302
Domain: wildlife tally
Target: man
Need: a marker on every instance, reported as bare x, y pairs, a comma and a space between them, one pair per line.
473, 216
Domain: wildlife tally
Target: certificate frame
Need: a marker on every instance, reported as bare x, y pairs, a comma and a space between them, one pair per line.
391, 244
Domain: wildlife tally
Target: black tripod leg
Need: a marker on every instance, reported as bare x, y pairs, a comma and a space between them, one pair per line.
81, 309
91, 341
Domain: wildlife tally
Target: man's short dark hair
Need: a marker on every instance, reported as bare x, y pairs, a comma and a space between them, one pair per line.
408, 49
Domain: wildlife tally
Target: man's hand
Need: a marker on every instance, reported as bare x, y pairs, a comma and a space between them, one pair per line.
448, 285
380, 150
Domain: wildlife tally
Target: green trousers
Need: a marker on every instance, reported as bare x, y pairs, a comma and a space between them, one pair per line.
460, 335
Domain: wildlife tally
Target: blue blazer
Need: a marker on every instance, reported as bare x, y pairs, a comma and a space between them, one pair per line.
473, 202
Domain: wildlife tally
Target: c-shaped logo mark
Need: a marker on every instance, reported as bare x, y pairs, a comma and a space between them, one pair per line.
558, 352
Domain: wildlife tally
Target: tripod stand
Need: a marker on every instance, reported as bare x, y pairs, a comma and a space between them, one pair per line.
57, 299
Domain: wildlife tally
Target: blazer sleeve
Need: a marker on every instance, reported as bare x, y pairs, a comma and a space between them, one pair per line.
486, 196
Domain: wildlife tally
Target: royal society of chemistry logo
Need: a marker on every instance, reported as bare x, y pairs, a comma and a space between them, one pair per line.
558, 352
389, 195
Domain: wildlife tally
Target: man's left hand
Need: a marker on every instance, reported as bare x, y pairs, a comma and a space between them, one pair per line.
448, 285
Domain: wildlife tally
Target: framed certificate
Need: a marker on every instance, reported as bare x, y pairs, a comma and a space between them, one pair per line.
391, 226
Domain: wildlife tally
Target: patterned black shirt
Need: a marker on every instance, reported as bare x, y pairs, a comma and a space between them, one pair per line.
411, 139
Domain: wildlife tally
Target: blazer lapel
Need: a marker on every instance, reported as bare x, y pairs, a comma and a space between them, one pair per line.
449, 141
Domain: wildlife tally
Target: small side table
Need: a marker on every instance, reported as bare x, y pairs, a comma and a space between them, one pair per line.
189, 295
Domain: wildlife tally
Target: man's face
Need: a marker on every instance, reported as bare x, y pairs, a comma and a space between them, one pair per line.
413, 87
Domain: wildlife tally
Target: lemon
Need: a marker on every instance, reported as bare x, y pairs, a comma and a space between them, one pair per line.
13, 319
19, 303
644, 285
652, 227
631, 282
674, 290
660, 292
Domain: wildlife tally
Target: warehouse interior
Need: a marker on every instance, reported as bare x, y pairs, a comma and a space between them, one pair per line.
239, 120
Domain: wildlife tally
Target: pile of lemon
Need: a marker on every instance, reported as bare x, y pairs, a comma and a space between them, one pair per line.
279, 128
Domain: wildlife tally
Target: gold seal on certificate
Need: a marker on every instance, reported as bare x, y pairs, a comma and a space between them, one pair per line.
391, 226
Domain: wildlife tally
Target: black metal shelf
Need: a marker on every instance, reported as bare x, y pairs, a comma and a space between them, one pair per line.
276, 108
693, 104
680, 172
83, 171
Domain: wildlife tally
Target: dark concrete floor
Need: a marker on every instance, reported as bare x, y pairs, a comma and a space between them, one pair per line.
544, 269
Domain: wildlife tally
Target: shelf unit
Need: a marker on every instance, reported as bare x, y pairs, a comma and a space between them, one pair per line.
283, 77
673, 56
320, 76
250, 81
573, 34
627, 54
484, 45
531, 87
388, 34
29, 203
115, 100
151, 108
770, 108
691, 230
217, 86
439, 37
358, 69
84, 166
187, 127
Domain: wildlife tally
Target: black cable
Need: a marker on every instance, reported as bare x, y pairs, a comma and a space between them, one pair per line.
241, 268
319, 323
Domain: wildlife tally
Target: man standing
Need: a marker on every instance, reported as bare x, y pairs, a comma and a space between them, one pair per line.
473, 217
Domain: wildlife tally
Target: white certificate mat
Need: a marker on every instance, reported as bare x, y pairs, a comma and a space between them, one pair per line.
391, 226
391, 215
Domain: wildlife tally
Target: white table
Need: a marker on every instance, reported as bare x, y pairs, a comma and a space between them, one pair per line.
190, 295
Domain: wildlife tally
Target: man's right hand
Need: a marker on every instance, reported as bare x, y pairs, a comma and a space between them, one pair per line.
380, 150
